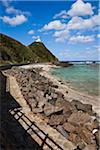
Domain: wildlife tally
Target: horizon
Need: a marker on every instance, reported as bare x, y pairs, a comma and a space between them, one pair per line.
69, 33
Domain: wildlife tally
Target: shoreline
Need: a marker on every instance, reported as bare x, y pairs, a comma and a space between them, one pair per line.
56, 105
68, 92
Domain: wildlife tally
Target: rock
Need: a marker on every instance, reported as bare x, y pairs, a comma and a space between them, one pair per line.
54, 95
41, 104
68, 107
84, 107
59, 103
50, 109
75, 138
60, 95
87, 136
79, 118
90, 147
97, 137
56, 120
55, 86
32, 102
68, 127
62, 131
52, 101
92, 125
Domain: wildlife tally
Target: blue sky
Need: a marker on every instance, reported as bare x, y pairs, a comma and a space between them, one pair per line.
69, 29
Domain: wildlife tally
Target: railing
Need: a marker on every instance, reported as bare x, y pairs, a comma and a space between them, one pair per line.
31, 125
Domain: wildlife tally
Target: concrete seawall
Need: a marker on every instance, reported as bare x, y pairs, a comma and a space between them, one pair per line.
13, 88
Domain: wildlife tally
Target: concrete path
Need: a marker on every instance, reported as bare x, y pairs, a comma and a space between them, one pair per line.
52, 133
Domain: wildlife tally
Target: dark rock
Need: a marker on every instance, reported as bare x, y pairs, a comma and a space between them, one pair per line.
55, 86
97, 137
84, 107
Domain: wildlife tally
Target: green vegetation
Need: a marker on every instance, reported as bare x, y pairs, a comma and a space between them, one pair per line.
12, 51
44, 55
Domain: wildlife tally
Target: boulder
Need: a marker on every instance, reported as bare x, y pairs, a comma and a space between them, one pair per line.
59, 103
56, 120
84, 107
92, 125
55, 86
50, 109
97, 137
79, 118
75, 138
90, 147
60, 95
69, 127
62, 131
87, 136
68, 108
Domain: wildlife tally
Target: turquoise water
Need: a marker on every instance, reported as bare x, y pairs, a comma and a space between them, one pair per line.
84, 78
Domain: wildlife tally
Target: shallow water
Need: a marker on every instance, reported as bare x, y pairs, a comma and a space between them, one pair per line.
84, 78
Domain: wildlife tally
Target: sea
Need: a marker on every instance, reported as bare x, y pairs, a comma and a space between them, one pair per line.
81, 77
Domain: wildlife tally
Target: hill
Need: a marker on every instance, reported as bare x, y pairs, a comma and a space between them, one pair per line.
12, 51
44, 55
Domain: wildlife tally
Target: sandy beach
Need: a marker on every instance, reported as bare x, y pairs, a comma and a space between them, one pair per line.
69, 93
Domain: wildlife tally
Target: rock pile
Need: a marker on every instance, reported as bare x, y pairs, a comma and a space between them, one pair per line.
74, 120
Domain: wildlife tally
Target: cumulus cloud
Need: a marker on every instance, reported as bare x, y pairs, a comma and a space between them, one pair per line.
30, 32
17, 20
63, 30
80, 23
12, 10
61, 36
76, 23
56, 25
63, 14
80, 8
81, 39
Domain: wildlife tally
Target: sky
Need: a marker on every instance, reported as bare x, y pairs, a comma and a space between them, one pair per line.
69, 28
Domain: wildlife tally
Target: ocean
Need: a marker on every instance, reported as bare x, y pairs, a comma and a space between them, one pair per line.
81, 77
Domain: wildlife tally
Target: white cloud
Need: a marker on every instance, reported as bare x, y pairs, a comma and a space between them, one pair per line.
14, 21
31, 32
12, 10
56, 25
81, 39
98, 35
63, 14
80, 8
19, 16
80, 23
61, 36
